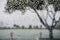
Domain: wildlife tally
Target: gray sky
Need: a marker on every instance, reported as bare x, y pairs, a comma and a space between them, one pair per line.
17, 18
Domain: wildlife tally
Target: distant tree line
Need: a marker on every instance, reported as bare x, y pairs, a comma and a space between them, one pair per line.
15, 26
29, 27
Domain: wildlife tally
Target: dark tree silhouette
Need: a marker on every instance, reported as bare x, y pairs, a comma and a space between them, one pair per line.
36, 27
30, 27
40, 26
17, 26
23, 27
21, 5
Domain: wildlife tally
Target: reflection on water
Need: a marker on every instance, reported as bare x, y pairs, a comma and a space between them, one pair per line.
26, 34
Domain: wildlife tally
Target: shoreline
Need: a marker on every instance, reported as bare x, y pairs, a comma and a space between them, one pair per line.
26, 29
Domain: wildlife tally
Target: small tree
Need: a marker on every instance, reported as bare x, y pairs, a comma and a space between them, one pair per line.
17, 26
30, 27
36, 27
40, 26
23, 27
36, 5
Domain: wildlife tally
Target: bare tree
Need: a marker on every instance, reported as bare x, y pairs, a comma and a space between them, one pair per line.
36, 5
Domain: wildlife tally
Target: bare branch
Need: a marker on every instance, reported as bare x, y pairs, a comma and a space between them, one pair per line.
41, 20
46, 6
54, 20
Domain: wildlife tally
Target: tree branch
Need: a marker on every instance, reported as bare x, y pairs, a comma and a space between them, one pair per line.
54, 20
41, 20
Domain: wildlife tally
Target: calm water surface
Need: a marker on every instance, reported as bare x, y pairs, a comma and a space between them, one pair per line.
27, 34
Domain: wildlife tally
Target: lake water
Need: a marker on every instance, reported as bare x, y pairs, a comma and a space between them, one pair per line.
27, 34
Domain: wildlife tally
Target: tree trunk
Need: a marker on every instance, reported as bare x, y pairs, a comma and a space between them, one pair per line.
51, 34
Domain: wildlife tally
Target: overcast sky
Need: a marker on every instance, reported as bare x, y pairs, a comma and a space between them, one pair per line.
29, 18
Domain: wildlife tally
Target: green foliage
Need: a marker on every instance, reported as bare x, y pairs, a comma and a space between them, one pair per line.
56, 4
16, 5
54, 1
22, 4
36, 4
